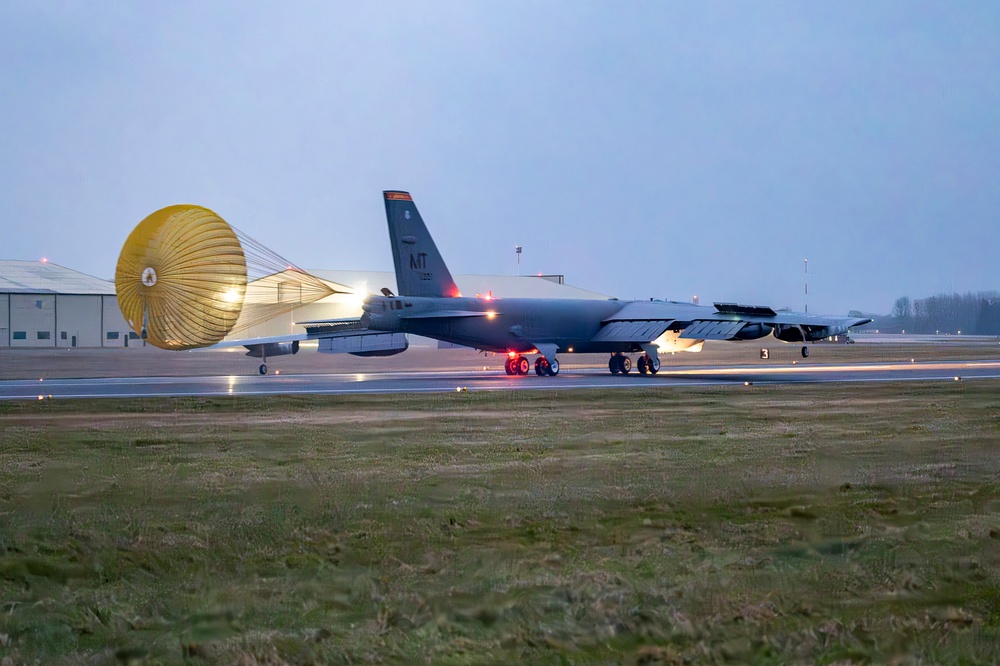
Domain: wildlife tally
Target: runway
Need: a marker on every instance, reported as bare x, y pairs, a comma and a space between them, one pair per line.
488, 380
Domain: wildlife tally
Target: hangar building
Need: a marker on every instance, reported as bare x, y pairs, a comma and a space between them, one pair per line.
46, 305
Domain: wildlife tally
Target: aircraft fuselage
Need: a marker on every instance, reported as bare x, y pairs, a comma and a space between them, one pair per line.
499, 325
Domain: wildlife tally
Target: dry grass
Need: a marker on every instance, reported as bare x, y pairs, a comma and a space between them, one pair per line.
768, 524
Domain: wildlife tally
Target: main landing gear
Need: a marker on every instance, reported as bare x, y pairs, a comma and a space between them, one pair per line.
620, 364
805, 352
518, 365
544, 366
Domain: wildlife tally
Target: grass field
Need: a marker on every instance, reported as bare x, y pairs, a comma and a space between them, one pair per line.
769, 524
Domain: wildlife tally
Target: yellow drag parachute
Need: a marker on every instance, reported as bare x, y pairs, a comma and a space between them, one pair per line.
184, 276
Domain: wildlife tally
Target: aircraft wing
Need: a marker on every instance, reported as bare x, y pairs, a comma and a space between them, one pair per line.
632, 330
254, 342
644, 321
347, 336
351, 336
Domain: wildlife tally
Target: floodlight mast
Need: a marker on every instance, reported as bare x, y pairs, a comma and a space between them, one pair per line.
807, 284
517, 251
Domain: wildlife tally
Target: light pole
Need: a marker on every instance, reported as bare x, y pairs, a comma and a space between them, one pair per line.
807, 284
517, 250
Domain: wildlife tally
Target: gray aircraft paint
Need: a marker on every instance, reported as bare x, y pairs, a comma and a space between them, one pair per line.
426, 306
429, 304
420, 269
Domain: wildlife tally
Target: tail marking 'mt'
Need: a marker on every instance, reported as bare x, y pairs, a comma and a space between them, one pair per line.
420, 270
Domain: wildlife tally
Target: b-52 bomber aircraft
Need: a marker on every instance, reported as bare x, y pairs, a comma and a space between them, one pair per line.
430, 304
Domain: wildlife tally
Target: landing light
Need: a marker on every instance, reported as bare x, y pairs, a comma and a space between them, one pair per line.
231, 296
491, 315
510, 354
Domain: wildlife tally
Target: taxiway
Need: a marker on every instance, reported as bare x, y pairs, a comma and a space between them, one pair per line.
487, 380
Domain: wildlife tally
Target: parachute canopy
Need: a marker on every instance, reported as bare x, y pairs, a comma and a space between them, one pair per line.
186, 279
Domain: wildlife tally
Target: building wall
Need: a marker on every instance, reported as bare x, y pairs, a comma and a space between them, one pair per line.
331, 307
115, 325
4, 320
32, 317
78, 321
92, 317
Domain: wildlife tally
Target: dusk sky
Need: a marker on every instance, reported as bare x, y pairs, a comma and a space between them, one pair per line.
643, 149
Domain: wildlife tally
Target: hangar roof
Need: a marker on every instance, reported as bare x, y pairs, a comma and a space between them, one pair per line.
43, 277
40, 277
502, 286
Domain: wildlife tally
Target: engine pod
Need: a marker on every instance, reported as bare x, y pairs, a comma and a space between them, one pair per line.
181, 278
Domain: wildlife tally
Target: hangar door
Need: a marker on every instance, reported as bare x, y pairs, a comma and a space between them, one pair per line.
32, 320
78, 321
4, 321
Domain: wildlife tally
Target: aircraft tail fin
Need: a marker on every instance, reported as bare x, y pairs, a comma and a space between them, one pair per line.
420, 269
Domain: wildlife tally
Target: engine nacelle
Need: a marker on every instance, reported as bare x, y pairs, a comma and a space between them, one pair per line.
379, 352
754, 331
365, 344
789, 333
273, 349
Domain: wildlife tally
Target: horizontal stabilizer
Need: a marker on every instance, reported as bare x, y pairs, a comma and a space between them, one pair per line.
713, 330
632, 331
320, 329
445, 314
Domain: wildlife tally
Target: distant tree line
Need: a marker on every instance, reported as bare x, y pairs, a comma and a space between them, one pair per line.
971, 313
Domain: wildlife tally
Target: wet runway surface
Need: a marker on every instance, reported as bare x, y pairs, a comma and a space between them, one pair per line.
488, 380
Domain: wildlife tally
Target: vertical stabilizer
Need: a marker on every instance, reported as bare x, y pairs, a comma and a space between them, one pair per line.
420, 270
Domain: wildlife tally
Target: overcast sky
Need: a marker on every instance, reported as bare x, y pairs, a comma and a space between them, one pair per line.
644, 149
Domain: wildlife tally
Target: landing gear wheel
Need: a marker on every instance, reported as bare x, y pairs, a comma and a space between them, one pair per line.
508, 366
654, 365
263, 368
540, 366
641, 365
613, 364
521, 365
805, 352
626, 365
553, 368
